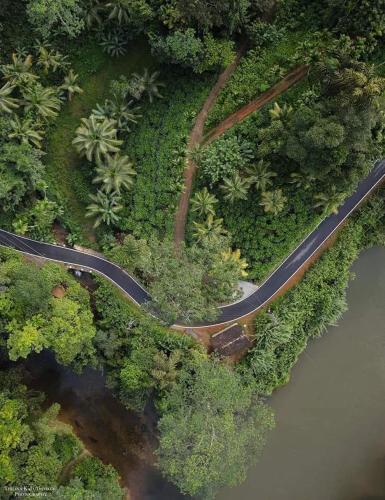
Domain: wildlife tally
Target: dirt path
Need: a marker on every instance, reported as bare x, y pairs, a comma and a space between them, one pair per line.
196, 136
290, 79
195, 139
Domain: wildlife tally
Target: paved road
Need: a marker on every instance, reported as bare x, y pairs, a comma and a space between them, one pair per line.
255, 301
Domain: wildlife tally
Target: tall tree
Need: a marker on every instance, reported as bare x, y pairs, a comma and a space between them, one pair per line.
210, 228
273, 202
329, 202
203, 202
118, 174
50, 17
148, 84
70, 84
43, 100
26, 131
211, 429
105, 208
228, 14
19, 71
261, 176
235, 187
96, 139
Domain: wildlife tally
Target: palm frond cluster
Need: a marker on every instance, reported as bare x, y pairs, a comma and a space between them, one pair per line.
29, 103
100, 137
235, 187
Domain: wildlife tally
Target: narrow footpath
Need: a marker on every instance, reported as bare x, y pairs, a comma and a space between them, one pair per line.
195, 140
296, 75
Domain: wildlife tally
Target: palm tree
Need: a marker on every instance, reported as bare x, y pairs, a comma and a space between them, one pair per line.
96, 139
114, 43
18, 72
7, 103
41, 99
20, 226
70, 84
120, 111
92, 13
118, 11
203, 202
261, 176
48, 59
329, 202
117, 175
302, 181
105, 208
26, 131
165, 370
235, 188
209, 229
234, 256
354, 82
280, 113
273, 202
147, 84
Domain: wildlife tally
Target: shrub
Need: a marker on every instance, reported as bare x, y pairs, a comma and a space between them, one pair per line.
223, 158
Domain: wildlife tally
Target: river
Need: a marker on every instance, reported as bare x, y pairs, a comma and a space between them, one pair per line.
329, 442
107, 429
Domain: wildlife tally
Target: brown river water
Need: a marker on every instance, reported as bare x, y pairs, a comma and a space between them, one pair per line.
329, 442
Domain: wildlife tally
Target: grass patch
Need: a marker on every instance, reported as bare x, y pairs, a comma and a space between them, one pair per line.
68, 175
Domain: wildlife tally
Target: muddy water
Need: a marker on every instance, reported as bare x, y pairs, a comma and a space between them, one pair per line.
329, 443
107, 429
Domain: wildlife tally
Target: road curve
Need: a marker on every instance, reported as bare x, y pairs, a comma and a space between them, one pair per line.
268, 289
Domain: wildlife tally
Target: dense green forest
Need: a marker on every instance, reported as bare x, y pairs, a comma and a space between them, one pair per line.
97, 103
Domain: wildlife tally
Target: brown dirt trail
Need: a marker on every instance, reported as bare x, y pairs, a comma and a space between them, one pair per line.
195, 139
196, 136
290, 79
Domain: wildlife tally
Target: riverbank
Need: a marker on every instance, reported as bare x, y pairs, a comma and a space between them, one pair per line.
330, 438
329, 442
109, 431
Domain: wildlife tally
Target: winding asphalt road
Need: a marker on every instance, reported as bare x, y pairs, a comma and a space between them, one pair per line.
268, 289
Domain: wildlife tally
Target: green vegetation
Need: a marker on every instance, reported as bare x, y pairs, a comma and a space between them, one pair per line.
188, 445
37, 447
93, 138
33, 319
96, 71
188, 387
157, 148
282, 332
258, 71
186, 286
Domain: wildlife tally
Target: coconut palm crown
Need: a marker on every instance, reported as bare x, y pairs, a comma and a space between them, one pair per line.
148, 84
70, 84
104, 208
19, 71
96, 139
43, 100
235, 188
118, 174
273, 202
203, 202
7, 103
26, 131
